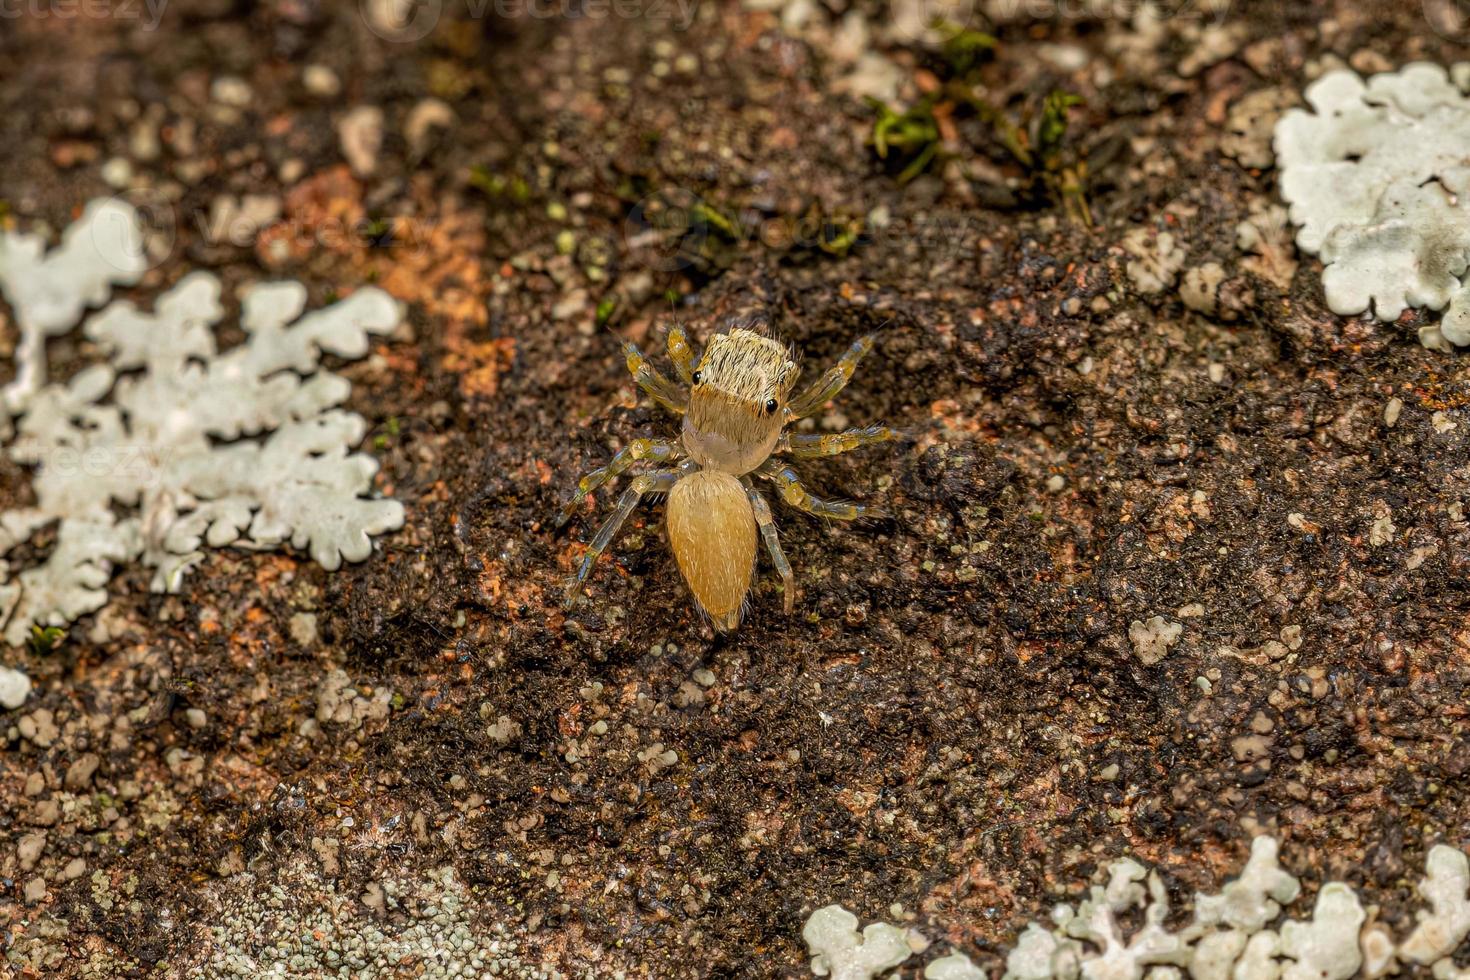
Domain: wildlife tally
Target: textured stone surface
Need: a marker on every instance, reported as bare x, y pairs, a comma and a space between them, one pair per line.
953, 720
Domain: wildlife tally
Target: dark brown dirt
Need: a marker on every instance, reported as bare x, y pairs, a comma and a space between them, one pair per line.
954, 720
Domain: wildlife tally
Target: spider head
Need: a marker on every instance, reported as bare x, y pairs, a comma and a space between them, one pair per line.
738, 404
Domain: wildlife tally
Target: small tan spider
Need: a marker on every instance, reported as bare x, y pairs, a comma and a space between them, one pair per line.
735, 409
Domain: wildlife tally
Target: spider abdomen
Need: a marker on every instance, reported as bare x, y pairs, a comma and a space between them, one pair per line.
712, 531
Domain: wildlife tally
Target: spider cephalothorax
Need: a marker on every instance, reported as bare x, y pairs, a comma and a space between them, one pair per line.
737, 406
737, 401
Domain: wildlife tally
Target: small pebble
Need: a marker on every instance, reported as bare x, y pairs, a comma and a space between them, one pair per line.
35, 891
30, 849
117, 172
303, 629
321, 81
79, 774
15, 687
231, 91
361, 134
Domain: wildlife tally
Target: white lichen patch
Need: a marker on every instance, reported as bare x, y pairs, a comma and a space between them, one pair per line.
955, 966
1105, 953
341, 702
1248, 128
1265, 237
840, 952
1200, 289
1255, 898
1155, 260
1119, 932
173, 445
1443, 928
1326, 948
49, 292
1376, 176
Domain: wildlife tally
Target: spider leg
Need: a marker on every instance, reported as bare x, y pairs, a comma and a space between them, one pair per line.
658, 450
661, 481
825, 388
789, 486
802, 445
649, 378
681, 353
767, 525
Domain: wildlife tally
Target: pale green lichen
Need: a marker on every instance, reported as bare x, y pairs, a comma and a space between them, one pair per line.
840, 952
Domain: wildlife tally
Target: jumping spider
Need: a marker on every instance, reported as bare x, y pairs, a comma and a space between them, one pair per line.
735, 409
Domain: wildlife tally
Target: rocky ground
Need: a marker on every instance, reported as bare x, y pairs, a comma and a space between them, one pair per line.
1173, 555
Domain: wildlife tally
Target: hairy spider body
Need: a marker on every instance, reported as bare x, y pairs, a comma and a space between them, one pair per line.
735, 412
712, 532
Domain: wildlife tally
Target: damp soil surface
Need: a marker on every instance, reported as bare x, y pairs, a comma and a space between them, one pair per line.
972, 708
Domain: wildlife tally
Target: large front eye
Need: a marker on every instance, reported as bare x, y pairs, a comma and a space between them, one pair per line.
770, 406
695, 377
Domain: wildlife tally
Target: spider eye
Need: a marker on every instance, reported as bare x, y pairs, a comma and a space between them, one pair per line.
695, 377
770, 406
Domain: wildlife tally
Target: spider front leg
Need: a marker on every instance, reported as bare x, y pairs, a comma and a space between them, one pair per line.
807, 445
681, 353
789, 486
825, 388
767, 525
658, 450
661, 481
649, 378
